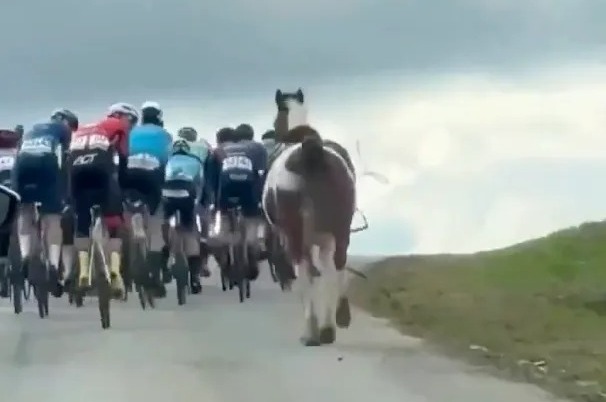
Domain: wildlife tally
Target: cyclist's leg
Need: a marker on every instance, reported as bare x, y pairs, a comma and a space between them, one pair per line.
50, 209
155, 221
191, 242
202, 219
67, 250
26, 231
112, 217
83, 201
250, 210
26, 183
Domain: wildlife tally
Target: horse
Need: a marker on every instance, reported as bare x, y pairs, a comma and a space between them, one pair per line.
309, 200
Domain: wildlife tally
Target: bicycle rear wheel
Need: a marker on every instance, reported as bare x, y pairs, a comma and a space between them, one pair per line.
103, 289
17, 284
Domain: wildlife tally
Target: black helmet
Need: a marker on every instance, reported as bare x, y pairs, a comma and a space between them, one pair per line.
151, 113
245, 132
66, 115
19, 129
226, 134
269, 135
188, 133
181, 146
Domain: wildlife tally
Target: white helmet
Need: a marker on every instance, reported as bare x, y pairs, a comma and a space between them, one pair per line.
124, 108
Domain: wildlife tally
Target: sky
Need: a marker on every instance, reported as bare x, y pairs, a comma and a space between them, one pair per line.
487, 117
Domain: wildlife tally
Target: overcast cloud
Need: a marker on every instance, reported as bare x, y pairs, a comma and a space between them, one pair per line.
487, 116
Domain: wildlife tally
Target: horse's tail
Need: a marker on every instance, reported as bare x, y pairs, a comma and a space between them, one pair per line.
312, 154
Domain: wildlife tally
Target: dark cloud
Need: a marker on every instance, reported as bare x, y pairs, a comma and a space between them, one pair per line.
76, 50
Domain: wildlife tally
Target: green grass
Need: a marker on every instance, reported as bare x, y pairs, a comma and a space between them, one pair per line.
536, 309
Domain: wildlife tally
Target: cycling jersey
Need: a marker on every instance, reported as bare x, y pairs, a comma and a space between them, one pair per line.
148, 152
242, 167
9, 145
182, 186
198, 149
146, 143
95, 152
38, 166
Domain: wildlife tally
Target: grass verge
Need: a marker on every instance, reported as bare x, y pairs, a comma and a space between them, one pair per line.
536, 309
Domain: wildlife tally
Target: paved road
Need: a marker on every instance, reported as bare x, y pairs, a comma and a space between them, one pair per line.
217, 350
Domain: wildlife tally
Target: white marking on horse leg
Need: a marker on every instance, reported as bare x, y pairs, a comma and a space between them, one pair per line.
329, 292
305, 285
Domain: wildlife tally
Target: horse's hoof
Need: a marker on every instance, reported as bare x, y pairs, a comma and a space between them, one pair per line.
343, 313
328, 335
309, 341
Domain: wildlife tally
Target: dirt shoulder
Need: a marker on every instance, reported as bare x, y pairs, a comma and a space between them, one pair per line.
536, 311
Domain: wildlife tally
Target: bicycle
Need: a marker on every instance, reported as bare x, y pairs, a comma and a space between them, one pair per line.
180, 265
140, 273
238, 253
16, 277
98, 235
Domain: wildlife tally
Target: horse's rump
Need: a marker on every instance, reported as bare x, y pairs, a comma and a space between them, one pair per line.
322, 203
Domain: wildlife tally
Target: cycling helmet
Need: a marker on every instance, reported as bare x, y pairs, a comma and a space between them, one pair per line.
181, 146
19, 129
151, 113
188, 133
269, 135
245, 132
67, 116
123, 109
226, 134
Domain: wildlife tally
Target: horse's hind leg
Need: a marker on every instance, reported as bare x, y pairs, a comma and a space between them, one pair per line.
343, 315
328, 292
307, 286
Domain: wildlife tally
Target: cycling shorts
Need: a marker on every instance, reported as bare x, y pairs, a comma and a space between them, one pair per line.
238, 193
37, 178
145, 185
95, 183
180, 195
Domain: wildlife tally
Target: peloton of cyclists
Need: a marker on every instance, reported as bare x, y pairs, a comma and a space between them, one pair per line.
114, 157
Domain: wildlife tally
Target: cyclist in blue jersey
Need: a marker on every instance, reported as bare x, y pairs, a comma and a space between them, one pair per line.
39, 176
240, 182
183, 184
201, 149
149, 148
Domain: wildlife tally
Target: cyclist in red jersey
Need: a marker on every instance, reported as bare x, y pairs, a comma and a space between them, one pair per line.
97, 167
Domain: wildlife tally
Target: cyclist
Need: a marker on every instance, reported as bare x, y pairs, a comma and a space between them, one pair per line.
39, 177
9, 207
9, 145
240, 180
182, 191
149, 149
97, 152
202, 149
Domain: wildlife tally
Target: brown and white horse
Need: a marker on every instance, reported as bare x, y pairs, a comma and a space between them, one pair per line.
309, 200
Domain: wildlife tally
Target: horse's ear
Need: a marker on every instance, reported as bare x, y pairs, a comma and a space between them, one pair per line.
300, 96
279, 97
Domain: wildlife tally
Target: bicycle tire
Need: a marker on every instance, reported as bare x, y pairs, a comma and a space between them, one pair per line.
180, 270
104, 297
103, 288
17, 285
